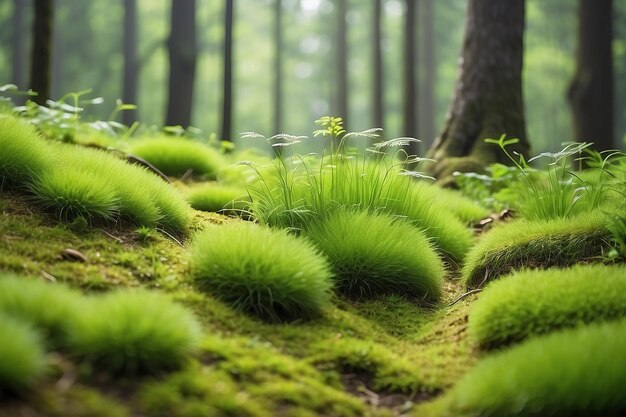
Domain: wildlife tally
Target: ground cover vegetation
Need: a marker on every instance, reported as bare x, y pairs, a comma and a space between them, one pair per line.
333, 283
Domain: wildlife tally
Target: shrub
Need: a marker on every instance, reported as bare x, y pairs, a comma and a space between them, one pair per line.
49, 307
175, 156
134, 332
22, 357
262, 271
534, 302
22, 157
577, 372
536, 244
219, 198
375, 254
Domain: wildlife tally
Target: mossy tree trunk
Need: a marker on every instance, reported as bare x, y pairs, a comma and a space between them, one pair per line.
131, 64
409, 112
183, 51
227, 99
18, 40
42, 50
487, 100
426, 125
591, 91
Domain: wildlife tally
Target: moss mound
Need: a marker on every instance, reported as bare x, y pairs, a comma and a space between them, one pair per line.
220, 198
453, 201
536, 244
22, 357
576, 372
133, 332
176, 156
263, 271
535, 302
374, 254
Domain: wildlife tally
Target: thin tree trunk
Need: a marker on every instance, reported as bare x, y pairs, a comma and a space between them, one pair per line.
227, 103
591, 91
341, 59
17, 73
409, 109
377, 66
278, 65
131, 66
487, 100
42, 50
183, 53
427, 87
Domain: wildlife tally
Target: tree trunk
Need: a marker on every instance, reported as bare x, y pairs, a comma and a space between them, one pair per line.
42, 50
17, 74
278, 66
378, 114
427, 87
487, 100
183, 53
131, 66
341, 59
591, 91
227, 103
409, 109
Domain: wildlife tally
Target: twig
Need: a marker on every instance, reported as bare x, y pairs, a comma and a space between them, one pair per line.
119, 240
170, 236
462, 296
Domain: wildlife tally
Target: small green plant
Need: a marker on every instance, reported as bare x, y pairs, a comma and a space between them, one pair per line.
536, 244
576, 372
134, 332
263, 271
49, 307
22, 357
373, 254
144, 233
177, 156
220, 199
530, 303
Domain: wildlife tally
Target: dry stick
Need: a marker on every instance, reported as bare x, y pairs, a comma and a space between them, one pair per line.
474, 291
170, 236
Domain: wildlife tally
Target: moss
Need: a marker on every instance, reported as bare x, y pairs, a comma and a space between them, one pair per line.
537, 244
576, 372
220, 198
453, 201
530, 303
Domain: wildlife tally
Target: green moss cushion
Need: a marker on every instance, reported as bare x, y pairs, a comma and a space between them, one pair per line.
536, 244
534, 302
574, 373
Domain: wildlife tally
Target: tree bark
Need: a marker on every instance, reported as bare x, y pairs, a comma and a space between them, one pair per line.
591, 90
131, 65
487, 100
426, 125
341, 60
42, 50
17, 68
278, 65
227, 103
410, 88
378, 115
183, 52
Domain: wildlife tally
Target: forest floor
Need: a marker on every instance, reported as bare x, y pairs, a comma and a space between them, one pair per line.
385, 356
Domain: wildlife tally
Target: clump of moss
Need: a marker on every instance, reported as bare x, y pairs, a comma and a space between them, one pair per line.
48, 307
536, 244
374, 254
133, 332
220, 198
529, 303
577, 372
22, 357
453, 201
176, 156
263, 271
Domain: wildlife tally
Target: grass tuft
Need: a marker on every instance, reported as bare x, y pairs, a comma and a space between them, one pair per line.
373, 254
263, 271
577, 372
536, 244
175, 156
49, 307
22, 357
534, 302
135, 332
220, 198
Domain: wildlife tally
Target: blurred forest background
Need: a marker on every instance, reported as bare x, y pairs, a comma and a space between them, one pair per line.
88, 53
